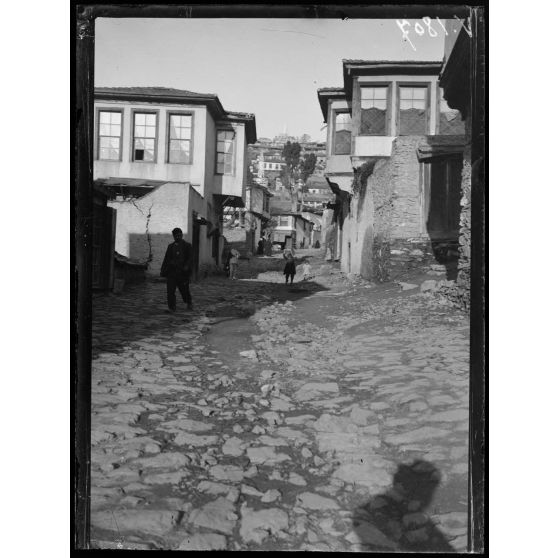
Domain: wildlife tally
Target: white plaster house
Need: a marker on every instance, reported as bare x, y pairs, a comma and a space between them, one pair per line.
170, 158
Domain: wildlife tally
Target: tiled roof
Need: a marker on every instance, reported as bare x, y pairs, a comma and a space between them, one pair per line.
352, 68
387, 62
176, 95
240, 114
328, 92
331, 90
158, 91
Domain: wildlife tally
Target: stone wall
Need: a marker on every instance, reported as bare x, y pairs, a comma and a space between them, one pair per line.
144, 225
388, 212
424, 255
404, 177
237, 238
388, 231
464, 264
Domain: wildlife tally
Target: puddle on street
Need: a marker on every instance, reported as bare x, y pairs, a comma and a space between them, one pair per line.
230, 336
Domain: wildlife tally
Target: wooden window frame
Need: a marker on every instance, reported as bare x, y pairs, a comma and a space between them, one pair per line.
335, 112
133, 137
98, 136
417, 84
168, 138
389, 101
226, 129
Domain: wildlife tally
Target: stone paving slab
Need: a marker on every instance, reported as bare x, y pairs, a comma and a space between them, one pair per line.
347, 432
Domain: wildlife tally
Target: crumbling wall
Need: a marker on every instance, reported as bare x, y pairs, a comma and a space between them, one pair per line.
464, 262
390, 234
407, 221
144, 225
373, 187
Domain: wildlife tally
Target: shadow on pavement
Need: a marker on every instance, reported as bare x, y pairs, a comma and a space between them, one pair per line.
397, 519
140, 312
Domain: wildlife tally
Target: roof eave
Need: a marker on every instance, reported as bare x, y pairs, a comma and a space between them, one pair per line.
249, 121
324, 95
352, 68
211, 101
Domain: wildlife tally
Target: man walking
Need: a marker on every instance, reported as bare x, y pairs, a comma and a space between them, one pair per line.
177, 267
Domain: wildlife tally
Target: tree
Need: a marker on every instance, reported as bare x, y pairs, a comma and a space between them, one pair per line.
296, 169
308, 166
291, 170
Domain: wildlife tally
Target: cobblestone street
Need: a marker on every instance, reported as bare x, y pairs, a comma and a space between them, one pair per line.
327, 415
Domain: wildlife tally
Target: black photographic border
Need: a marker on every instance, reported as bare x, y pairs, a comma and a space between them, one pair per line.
83, 42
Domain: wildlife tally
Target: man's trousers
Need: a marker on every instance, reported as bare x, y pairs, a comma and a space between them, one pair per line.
182, 281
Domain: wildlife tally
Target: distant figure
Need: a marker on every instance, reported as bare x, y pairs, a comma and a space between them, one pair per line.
261, 243
268, 247
227, 265
317, 244
306, 271
176, 267
233, 263
290, 266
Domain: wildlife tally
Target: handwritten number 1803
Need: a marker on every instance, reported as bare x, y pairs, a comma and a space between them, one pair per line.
420, 29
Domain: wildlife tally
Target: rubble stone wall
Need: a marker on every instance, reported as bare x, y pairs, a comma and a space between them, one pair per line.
464, 263
405, 184
389, 215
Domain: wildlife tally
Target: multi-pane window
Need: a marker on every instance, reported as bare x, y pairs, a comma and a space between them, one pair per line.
373, 104
342, 134
412, 111
450, 120
225, 151
284, 221
180, 138
110, 134
145, 136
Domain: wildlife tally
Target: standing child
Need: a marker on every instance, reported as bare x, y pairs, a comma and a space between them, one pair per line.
290, 266
233, 262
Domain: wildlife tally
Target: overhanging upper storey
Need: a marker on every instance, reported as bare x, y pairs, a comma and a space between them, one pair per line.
326, 94
352, 68
165, 95
249, 121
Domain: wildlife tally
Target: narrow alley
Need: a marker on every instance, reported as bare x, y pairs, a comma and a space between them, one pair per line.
328, 415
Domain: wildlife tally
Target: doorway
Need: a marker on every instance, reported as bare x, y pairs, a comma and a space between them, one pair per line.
443, 196
196, 247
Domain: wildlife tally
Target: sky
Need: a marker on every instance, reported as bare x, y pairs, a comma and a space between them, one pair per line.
269, 67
